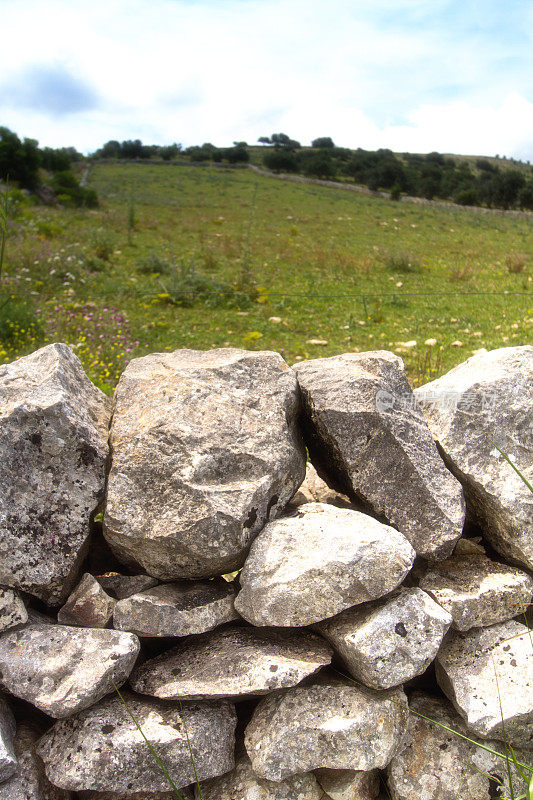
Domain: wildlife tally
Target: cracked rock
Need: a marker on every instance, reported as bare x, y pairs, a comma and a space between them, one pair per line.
185, 792
177, 609
316, 490
62, 669
349, 784
233, 662
317, 562
8, 760
485, 401
29, 781
12, 610
113, 757
389, 642
365, 431
88, 605
53, 446
205, 449
121, 586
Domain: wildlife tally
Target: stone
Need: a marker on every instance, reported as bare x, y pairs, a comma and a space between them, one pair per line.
329, 724
29, 781
484, 667
477, 591
205, 450
316, 490
112, 756
185, 792
390, 641
177, 609
365, 431
317, 562
53, 446
487, 401
61, 669
12, 610
8, 760
232, 662
121, 586
88, 605
242, 784
439, 764
349, 784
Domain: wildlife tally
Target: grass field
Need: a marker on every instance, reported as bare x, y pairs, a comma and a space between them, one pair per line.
202, 257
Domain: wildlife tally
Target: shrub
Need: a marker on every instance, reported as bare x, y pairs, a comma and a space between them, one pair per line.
402, 262
103, 244
515, 262
188, 287
152, 264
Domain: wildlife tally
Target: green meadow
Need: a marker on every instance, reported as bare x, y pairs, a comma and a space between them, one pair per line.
206, 256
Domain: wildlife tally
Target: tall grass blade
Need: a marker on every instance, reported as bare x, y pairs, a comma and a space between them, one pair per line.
520, 474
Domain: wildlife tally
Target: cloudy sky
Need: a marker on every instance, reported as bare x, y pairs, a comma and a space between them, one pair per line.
413, 75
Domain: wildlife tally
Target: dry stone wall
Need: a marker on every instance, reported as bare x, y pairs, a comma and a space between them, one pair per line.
278, 630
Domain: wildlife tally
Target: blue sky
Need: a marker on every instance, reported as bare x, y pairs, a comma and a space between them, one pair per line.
411, 75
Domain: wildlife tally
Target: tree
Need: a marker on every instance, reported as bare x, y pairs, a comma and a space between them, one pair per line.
281, 140
281, 161
323, 142
19, 161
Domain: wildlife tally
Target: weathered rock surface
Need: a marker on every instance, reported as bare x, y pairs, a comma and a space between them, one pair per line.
233, 662
88, 605
205, 450
488, 400
329, 724
61, 669
53, 445
186, 794
12, 610
29, 782
316, 490
111, 755
389, 642
436, 764
177, 609
8, 761
365, 430
477, 591
317, 562
121, 586
485, 666
243, 784
349, 784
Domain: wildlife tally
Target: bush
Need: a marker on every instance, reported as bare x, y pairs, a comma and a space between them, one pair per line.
402, 262
189, 287
281, 161
152, 264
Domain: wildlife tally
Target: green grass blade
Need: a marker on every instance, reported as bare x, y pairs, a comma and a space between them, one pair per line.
520, 474
190, 752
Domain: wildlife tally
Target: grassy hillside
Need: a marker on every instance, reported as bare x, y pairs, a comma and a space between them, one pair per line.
202, 257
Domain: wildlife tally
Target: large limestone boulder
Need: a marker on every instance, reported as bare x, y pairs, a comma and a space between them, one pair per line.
330, 724
483, 402
487, 674
391, 641
53, 446
232, 662
112, 756
8, 760
317, 562
88, 605
61, 669
366, 432
29, 781
205, 450
12, 610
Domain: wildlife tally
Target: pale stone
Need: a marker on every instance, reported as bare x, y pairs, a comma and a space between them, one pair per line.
111, 754
477, 591
186, 794
177, 609
316, 490
329, 724
12, 610
487, 400
389, 642
365, 431
121, 586
486, 667
233, 662
62, 670
349, 784
8, 760
53, 446
439, 765
88, 605
317, 562
205, 450
29, 781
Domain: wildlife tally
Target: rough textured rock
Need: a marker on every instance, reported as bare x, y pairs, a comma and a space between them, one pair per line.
389, 642
186, 794
477, 591
437, 765
121, 586
62, 669
177, 609
29, 782
243, 784
205, 449
88, 605
12, 610
349, 784
316, 490
317, 562
235, 661
8, 761
365, 431
484, 666
112, 755
488, 400
53, 445
329, 724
